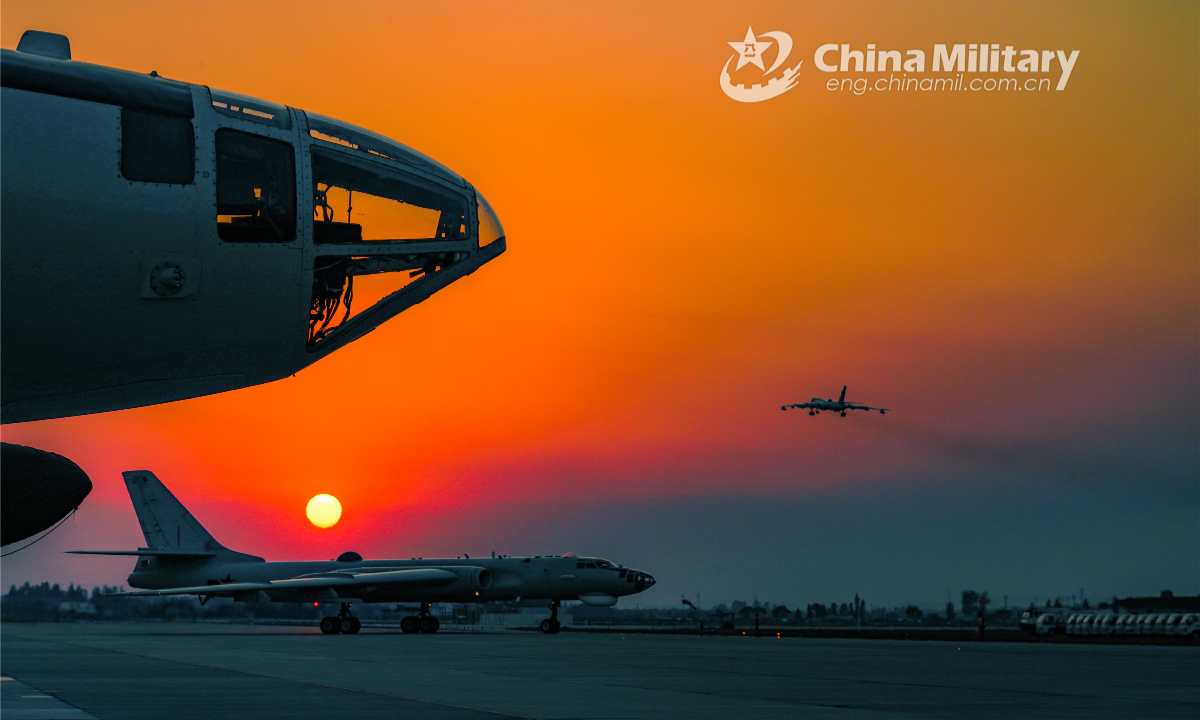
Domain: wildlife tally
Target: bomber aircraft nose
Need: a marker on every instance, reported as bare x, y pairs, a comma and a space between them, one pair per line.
641, 580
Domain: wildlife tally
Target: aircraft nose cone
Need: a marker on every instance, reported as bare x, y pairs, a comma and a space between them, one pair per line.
644, 581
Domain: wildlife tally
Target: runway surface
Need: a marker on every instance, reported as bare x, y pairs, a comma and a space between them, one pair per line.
205, 671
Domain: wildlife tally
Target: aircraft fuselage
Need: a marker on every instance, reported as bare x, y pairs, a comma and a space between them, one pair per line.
479, 580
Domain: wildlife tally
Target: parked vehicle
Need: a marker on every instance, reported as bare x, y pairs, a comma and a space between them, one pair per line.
1189, 626
1048, 624
1069, 625
1028, 622
1107, 625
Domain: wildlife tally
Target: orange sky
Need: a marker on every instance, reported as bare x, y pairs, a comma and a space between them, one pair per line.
679, 264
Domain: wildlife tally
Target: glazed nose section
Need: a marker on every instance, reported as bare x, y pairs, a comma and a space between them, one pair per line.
490, 229
642, 580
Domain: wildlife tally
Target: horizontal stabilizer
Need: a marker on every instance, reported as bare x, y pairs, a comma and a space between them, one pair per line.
148, 552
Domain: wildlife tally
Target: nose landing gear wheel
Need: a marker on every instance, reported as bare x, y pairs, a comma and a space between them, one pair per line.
330, 625
429, 624
410, 624
349, 625
550, 625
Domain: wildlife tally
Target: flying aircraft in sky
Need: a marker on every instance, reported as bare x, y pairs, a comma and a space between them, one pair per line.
182, 558
165, 240
841, 405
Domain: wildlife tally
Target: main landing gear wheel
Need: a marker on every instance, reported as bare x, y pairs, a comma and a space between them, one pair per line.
419, 624
422, 622
810, 412
343, 622
843, 413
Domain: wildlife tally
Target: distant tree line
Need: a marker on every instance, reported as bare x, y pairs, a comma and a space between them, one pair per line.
51, 603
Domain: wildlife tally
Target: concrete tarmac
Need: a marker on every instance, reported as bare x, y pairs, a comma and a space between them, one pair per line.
205, 671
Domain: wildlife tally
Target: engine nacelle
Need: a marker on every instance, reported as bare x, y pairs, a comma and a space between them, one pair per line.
480, 578
470, 578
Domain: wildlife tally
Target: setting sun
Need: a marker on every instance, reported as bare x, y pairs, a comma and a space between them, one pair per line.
324, 511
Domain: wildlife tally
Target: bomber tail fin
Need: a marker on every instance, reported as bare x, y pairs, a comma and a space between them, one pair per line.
170, 530
842, 398
165, 522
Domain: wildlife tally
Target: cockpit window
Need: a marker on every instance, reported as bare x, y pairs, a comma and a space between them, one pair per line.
256, 188
591, 565
580, 565
157, 148
603, 564
364, 141
363, 202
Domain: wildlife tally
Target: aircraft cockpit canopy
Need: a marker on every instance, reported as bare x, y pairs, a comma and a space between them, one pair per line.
341, 133
594, 563
385, 217
363, 201
244, 107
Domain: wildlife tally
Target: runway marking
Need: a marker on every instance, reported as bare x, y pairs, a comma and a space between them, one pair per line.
13, 697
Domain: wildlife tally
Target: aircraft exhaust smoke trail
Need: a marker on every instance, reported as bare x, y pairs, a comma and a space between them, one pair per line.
1024, 457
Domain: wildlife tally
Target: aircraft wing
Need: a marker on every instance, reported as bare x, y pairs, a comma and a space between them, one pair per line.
858, 406
413, 577
798, 406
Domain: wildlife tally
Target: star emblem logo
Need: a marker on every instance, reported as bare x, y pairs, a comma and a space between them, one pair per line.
750, 50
